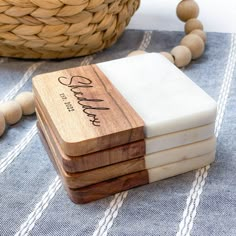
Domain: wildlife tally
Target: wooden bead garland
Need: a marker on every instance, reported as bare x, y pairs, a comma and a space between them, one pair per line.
195, 44
192, 24
187, 9
192, 45
12, 111
200, 33
182, 55
26, 101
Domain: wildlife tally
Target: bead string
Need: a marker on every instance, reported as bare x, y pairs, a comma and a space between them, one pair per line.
192, 45
11, 112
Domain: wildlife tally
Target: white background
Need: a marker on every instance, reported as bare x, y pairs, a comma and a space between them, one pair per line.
216, 15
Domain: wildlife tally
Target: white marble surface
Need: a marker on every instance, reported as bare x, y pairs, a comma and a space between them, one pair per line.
176, 139
165, 98
180, 153
180, 167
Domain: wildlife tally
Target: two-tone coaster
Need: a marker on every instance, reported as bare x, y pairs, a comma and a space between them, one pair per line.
101, 129
126, 182
86, 178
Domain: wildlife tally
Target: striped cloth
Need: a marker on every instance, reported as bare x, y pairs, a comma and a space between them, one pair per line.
33, 202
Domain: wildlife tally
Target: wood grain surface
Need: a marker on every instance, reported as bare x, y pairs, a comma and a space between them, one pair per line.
100, 190
86, 112
107, 188
94, 160
86, 178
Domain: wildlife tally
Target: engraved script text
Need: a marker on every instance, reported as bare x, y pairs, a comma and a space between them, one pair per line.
76, 85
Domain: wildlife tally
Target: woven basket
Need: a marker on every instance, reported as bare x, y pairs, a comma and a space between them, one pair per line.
61, 28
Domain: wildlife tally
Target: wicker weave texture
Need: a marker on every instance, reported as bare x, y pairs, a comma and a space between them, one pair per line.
61, 28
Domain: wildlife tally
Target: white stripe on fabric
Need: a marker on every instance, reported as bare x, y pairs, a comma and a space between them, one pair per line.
146, 40
224, 93
107, 213
110, 214
12, 93
5, 162
87, 60
112, 211
40, 207
29, 224
193, 199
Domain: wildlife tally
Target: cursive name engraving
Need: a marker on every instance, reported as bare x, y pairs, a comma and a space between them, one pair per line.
76, 85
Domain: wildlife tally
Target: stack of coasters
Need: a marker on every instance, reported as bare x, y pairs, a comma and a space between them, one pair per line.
121, 124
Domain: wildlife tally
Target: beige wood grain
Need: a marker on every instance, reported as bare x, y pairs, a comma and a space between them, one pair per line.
86, 178
96, 159
107, 188
86, 112
99, 190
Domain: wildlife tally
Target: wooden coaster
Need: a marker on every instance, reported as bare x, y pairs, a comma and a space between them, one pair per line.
82, 179
86, 112
94, 160
119, 184
100, 190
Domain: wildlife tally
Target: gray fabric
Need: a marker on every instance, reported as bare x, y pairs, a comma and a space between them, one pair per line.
217, 209
155, 209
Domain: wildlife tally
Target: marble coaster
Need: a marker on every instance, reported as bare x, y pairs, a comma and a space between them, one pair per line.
164, 97
86, 178
119, 184
97, 107
129, 151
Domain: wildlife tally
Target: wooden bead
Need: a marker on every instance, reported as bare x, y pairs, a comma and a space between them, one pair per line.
193, 24
135, 53
200, 33
182, 55
26, 101
12, 112
187, 9
2, 124
168, 56
195, 44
